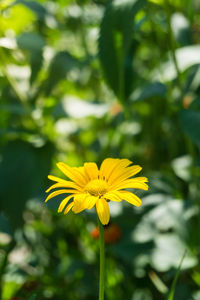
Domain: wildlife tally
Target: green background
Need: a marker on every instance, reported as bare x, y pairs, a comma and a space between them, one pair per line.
81, 81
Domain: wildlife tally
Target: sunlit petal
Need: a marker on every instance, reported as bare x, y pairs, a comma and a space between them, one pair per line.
64, 203
67, 209
91, 170
103, 211
113, 196
67, 184
135, 183
79, 203
124, 174
70, 173
56, 193
90, 201
130, 197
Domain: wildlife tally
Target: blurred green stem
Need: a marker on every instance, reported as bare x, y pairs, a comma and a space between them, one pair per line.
102, 261
11, 80
172, 46
14, 87
4, 264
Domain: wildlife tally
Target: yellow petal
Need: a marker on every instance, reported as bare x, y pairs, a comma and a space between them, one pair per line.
70, 173
131, 198
107, 166
103, 211
66, 184
57, 179
90, 201
67, 209
79, 203
111, 167
134, 183
64, 203
123, 173
113, 196
91, 170
56, 193
83, 176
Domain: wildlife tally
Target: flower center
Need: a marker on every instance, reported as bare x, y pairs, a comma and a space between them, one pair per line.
96, 187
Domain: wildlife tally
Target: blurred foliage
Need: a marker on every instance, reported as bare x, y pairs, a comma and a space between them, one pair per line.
80, 81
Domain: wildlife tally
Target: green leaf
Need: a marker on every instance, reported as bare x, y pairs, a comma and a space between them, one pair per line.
36, 7
30, 41
148, 91
61, 64
182, 167
10, 288
116, 46
5, 225
34, 44
23, 169
190, 122
186, 57
167, 251
18, 17
181, 29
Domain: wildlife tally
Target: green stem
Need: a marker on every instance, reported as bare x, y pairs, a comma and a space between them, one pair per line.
173, 47
102, 261
4, 265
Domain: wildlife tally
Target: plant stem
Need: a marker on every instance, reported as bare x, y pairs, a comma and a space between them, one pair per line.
4, 265
102, 261
173, 47
22, 99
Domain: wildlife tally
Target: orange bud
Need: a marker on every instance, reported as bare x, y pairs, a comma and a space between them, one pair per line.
187, 100
95, 233
112, 233
115, 109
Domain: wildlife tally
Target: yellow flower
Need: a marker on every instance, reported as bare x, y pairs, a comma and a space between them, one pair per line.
89, 186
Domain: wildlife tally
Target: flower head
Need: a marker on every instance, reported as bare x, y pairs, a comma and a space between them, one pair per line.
89, 186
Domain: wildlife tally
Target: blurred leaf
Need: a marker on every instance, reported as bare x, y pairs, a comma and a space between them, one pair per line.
196, 295
17, 18
115, 43
5, 3
61, 64
70, 103
148, 91
166, 214
196, 277
167, 253
158, 283
34, 44
22, 172
30, 41
10, 288
181, 29
36, 7
182, 167
8, 43
5, 225
186, 57
13, 108
190, 122
142, 294
174, 3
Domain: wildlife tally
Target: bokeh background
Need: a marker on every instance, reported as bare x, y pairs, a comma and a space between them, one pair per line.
81, 81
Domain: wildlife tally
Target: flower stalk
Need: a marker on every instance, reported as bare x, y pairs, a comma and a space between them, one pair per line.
102, 261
